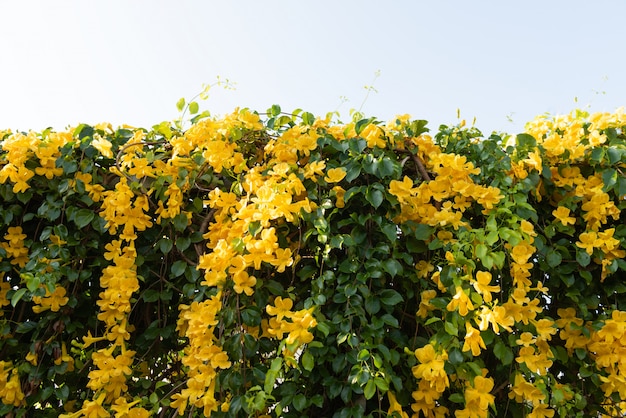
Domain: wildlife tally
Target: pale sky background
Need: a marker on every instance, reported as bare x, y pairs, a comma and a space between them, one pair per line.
129, 61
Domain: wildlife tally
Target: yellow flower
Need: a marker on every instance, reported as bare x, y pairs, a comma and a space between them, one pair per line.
588, 241
103, 146
473, 340
425, 305
283, 259
394, 406
562, 214
478, 398
430, 366
423, 268
335, 175
525, 391
483, 278
526, 339
339, 194
244, 283
52, 301
280, 308
461, 302
401, 189
541, 410
545, 329
373, 134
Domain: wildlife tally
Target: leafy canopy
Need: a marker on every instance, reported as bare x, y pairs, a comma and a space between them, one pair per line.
273, 264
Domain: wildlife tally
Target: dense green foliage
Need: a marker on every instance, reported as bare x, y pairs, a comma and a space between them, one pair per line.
285, 265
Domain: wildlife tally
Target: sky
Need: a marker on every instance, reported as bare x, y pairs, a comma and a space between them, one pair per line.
129, 61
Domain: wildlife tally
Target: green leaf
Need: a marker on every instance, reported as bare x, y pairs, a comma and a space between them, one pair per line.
455, 356
492, 237
25, 327
609, 178
193, 108
150, 295
370, 389
307, 361
481, 251
178, 268
180, 104
19, 293
614, 154
381, 384
375, 197
308, 118
300, 402
393, 267
275, 110
432, 320
525, 140
423, 232
83, 217
498, 258
457, 398
32, 281
582, 257
391, 231
451, 329
390, 297
180, 222
553, 258
165, 245
182, 243
503, 353
360, 125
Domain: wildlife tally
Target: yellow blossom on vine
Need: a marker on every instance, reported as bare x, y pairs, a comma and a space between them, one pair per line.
52, 301
335, 175
482, 285
4, 289
562, 214
374, 136
522, 390
403, 190
339, 195
526, 339
280, 308
425, 306
10, 386
244, 283
477, 399
496, 317
394, 406
473, 341
541, 410
460, 301
588, 241
430, 366
103, 146
425, 398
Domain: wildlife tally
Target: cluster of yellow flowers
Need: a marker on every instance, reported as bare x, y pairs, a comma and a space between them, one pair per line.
10, 386
442, 200
14, 246
605, 346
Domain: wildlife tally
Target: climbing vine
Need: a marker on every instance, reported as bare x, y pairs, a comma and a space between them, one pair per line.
282, 264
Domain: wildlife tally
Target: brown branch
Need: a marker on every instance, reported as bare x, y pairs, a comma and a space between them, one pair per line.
418, 163
203, 228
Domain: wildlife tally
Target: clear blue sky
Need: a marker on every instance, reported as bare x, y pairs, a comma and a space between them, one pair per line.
121, 61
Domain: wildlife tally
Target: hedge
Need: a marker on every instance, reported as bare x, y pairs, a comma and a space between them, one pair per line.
282, 264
